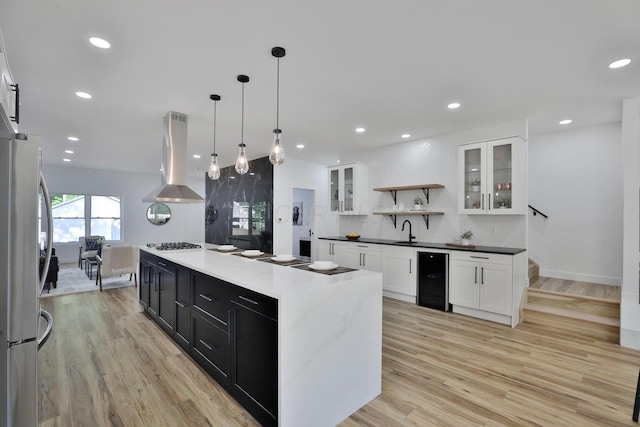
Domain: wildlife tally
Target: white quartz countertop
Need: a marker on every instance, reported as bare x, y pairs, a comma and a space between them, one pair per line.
269, 279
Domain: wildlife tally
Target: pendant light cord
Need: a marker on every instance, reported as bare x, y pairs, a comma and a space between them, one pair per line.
242, 120
215, 105
278, 97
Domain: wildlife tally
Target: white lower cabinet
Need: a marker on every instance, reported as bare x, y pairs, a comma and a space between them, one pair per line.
482, 282
363, 256
331, 250
398, 267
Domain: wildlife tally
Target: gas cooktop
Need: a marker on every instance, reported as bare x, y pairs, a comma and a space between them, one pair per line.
173, 246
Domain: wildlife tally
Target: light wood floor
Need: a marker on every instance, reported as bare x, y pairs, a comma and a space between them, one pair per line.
107, 365
574, 287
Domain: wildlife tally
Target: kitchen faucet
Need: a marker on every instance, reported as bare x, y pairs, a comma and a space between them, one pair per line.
411, 236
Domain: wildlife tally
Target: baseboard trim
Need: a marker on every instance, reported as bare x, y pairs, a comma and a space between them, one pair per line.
603, 280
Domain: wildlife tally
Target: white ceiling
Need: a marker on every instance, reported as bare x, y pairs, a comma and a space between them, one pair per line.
391, 67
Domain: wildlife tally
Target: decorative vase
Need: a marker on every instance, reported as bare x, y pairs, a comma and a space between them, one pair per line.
417, 207
466, 242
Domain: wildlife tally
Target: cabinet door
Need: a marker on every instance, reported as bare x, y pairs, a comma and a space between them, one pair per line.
326, 251
361, 256
166, 286
496, 288
463, 283
183, 306
505, 177
399, 271
154, 292
254, 377
472, 179
146, 274
335, 181
7, 95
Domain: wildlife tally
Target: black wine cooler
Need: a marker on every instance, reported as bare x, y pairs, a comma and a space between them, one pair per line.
433, 282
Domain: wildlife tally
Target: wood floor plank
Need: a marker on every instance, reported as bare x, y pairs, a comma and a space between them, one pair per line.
108, 365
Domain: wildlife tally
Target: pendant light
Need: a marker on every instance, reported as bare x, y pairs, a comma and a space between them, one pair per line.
214, 168
276, 155
242, 165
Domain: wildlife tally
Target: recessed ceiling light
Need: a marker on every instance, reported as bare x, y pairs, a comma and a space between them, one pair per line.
68, 151
300, 146
453, 105
252, 173
338, 161
84, 95
565, 121
196, 156
620, 63
359, 130
405, 135
73, 138
98, 42
66, 160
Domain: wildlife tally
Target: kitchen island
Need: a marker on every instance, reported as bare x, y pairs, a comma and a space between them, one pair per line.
326, 330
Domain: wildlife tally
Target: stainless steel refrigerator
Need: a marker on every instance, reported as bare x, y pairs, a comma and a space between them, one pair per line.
22, 188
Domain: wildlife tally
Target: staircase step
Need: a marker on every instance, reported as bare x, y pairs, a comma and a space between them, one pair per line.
563, 322
581, 305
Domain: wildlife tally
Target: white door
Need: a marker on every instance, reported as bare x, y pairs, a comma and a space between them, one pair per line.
302, 222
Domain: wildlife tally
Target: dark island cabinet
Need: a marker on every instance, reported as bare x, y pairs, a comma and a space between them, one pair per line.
231, 332
158, 289
254, 353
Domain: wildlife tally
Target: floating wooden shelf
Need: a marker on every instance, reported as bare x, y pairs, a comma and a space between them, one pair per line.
424, 187
394, 191
393, 214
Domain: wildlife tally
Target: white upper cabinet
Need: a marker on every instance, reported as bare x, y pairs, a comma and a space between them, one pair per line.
348, 190
492, 177
8, 112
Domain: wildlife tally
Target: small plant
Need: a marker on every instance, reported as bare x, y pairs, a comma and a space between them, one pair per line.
503, 202
417, 201
474, 182
467, 235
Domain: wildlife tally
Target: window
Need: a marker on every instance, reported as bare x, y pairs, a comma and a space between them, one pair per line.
76, 215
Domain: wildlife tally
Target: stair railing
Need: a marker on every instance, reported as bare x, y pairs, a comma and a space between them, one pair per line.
536, 211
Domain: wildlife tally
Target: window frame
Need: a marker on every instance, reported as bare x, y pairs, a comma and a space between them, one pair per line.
88, 218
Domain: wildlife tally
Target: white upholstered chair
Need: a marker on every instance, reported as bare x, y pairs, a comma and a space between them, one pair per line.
117, 260
89, 247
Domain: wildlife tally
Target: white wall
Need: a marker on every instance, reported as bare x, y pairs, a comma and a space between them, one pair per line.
629, 304
187, 220
575, 177
428, 161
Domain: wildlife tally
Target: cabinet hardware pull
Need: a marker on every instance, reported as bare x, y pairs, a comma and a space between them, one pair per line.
364, 260
360, 262
483, 202
363, 246
410, 261
247, 300
479, 257
162, 264
204, 343
475, 280
206, 297
489, 201
16, 118
482, 276
179, 304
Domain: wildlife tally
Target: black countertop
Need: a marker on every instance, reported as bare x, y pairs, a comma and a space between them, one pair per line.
428, 245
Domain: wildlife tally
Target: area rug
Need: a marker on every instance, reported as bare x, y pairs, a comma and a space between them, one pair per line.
72, 280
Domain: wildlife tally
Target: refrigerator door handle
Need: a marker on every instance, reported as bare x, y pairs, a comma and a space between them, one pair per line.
45, 336
47, 202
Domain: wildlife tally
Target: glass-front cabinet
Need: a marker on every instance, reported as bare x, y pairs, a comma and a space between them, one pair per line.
348, 189
492, 177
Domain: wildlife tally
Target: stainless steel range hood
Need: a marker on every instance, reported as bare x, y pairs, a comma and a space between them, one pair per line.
173, 175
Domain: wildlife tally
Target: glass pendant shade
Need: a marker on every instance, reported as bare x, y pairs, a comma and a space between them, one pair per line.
214, 168
242, 165
276, 155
